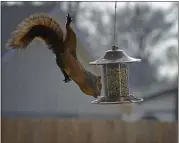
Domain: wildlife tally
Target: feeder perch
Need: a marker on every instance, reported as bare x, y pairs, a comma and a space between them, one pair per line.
115, 77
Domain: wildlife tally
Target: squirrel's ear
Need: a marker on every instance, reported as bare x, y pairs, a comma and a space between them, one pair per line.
99, 77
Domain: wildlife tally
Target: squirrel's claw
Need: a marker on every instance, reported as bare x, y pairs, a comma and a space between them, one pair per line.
69, 18
66, 80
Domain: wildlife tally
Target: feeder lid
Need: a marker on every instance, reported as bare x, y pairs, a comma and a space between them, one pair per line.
114, 56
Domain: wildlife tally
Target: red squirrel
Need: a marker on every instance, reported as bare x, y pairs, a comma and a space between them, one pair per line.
63, 46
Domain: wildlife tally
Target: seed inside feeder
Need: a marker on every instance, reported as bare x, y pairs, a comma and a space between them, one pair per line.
116, 79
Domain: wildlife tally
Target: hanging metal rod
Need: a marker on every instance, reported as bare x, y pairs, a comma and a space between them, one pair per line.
114, 46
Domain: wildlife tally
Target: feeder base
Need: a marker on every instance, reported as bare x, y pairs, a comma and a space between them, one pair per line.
120, 100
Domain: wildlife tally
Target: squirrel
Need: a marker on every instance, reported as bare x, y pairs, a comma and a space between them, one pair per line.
63, 46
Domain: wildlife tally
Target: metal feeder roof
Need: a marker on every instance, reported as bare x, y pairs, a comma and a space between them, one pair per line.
115, 56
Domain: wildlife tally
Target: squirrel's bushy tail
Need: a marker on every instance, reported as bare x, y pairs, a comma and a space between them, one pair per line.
37, 26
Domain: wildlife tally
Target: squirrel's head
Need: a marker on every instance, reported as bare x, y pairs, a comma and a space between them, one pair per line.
98, 86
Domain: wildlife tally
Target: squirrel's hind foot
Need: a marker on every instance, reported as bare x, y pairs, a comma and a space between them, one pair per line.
69, 19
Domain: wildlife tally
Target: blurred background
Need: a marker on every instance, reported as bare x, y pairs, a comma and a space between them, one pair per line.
32, 84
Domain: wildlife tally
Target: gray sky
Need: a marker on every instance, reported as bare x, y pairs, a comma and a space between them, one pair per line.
107, 7
159, 49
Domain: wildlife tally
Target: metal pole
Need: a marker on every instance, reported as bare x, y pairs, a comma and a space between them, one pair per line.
115, 24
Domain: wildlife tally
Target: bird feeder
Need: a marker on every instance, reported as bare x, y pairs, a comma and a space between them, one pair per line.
115, 77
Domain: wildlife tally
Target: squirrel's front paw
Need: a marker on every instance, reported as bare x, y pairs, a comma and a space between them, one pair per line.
66, 80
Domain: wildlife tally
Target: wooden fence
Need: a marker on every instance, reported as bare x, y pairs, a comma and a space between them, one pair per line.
86, 131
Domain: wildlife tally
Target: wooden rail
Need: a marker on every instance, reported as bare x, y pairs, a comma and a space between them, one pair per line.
86, 131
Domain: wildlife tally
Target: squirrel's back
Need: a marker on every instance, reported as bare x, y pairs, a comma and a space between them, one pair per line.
37, 26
